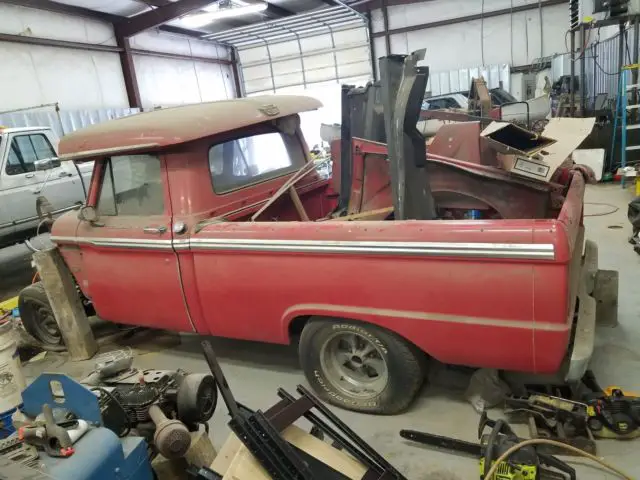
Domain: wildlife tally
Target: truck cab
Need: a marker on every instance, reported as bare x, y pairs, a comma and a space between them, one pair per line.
28, 169
211, 219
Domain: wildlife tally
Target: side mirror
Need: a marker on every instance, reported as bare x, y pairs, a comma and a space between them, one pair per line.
88, 213
46, 164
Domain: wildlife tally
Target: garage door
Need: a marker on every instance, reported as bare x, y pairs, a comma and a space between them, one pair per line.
328, 45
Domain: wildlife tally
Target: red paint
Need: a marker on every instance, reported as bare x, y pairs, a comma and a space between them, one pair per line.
450, 307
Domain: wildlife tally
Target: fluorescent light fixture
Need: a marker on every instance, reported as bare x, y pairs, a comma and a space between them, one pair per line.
202, 19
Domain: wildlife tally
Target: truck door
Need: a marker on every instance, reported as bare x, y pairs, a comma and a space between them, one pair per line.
22, 184
131, 270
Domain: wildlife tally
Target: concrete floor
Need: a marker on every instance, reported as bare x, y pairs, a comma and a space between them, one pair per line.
255, 371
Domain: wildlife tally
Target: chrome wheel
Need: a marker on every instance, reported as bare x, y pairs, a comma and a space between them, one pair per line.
354, 365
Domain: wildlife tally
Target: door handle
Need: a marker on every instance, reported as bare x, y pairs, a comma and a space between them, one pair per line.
155, 230
65, 174
30, 175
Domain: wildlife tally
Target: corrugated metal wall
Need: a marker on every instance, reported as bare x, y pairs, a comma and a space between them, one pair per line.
62, 122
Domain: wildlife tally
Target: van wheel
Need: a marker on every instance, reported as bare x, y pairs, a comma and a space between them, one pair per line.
38, 319
360, 367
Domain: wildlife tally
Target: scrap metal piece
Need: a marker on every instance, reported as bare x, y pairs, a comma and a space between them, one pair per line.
403, 86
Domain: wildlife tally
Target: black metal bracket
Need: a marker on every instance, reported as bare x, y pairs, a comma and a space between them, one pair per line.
260, 433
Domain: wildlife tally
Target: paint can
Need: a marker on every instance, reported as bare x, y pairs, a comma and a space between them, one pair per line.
11, 378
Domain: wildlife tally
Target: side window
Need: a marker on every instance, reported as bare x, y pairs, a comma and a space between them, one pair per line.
132, 185
26, 149
252, 159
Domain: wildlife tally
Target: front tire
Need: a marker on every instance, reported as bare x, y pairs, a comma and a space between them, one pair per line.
359, 366
38, 318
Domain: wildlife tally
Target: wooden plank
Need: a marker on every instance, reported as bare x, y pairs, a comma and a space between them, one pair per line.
360, 216
66, 304
243, 466
298, 204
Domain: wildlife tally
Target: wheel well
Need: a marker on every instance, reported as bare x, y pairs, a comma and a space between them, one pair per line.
296, 325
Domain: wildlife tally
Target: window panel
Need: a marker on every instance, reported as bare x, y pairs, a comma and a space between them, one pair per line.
248, 160
26, 149
132, 185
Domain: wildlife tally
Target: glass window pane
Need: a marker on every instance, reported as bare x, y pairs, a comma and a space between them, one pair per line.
22, 155
42, 147
132, 185
252, 159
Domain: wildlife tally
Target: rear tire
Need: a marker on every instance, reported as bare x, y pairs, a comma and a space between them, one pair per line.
38, 318
360, 367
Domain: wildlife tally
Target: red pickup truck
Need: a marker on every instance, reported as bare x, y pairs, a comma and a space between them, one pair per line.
184, 229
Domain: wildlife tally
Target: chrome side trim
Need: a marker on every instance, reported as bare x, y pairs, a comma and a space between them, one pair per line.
138, 243
481, 250
523, 251
430, 316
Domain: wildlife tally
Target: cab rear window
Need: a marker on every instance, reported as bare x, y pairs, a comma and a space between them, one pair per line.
253, 158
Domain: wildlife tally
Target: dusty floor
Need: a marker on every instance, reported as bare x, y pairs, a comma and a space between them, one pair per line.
255, 371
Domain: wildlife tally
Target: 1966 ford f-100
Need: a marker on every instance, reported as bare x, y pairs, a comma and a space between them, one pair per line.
185, 229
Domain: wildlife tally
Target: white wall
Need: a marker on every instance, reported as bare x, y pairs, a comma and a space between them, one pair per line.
32, 75
513, 40
168, 82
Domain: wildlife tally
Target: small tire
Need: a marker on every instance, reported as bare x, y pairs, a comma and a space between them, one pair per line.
38, 318
386, 386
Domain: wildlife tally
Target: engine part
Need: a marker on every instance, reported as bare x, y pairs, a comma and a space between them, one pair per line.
172, 438
614, 414
197, 398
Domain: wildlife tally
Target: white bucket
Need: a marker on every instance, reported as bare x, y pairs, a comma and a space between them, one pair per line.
11, 379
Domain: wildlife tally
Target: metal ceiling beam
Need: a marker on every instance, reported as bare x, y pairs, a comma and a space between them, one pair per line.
63, 8
128, 27
55, 7
469, 18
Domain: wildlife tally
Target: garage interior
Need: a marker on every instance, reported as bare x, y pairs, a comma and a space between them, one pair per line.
216, 218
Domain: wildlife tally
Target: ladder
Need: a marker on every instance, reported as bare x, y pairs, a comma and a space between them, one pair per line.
622, 109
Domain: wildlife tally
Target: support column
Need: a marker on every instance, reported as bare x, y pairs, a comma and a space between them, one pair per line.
583, 77
66, 304
385, 25
236, 72
572, 73
129, 72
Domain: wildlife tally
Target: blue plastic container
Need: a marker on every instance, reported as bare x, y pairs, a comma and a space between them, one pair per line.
6, 425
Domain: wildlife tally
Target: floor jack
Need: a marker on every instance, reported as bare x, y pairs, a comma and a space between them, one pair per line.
525, 464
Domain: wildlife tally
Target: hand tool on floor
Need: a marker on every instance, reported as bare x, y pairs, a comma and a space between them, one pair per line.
554, 418
525, 464
614, 414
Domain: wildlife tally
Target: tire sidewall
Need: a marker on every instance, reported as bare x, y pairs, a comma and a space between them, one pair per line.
314, 336
34, 297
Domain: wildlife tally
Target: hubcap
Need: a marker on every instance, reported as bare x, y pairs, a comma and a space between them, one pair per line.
354, 365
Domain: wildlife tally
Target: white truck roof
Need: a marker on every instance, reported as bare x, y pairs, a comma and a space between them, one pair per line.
21, 129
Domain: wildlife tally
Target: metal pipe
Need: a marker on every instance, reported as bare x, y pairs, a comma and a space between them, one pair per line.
583, 60
572, 73
49, 42
634, 72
